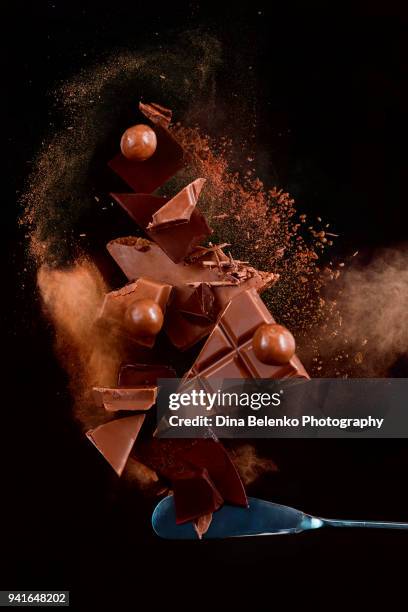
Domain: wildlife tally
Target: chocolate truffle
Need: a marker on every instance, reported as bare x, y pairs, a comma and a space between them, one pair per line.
144, 318
138, 143
273, 344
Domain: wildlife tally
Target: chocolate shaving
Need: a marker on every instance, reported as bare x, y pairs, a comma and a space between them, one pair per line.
156, 113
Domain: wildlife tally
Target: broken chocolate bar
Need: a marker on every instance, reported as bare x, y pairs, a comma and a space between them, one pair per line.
177, 241
131, 375
178, 210
140, 257
136, 398
173, 458
229, 353
114, 440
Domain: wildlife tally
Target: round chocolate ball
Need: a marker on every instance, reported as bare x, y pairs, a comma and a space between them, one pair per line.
273, 344
138, 143
144, 318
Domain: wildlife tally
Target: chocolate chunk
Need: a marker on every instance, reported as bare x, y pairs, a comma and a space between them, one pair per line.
131, 375
190, 315
178, 210
196, 485
139, 257
114, 440
156, 113
176, 241
137, 398
200, 303
172, 458
146, 176
229, 351
119, 307
202, 524
184, 333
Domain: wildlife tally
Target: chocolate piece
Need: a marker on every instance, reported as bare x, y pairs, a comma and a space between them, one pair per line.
144, 319
229, 351
184, 333
202, 524
172, 458
139, 257
120, 307
137, 398
178, 210
138, 142
273, 344
197, 485
199, 304
146, 176
176, 241
156, 113
131, 375
190, 316
114, 440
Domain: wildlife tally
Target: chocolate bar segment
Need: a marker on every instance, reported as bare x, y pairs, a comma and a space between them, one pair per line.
114, 440
131, 375
177, 241
178, 210
173, 458
228, 352
136, 398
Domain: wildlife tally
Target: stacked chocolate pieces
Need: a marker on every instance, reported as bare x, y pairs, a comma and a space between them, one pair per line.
189, 292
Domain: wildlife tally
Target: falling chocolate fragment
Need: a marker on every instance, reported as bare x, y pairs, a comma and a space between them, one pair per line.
177, 241
173, 458
114, 399
114, 440
178, 210
156, 113
131, 375
200, 303
146, 176
197, 484
229, 351
202, 524
117, 302
140, 257
190, 315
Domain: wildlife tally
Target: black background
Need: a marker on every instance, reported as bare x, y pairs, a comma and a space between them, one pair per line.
331, 103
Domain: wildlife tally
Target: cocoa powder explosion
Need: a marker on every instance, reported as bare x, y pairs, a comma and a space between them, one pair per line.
329, 311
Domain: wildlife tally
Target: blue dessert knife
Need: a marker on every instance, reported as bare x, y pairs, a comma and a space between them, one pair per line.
261, 518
